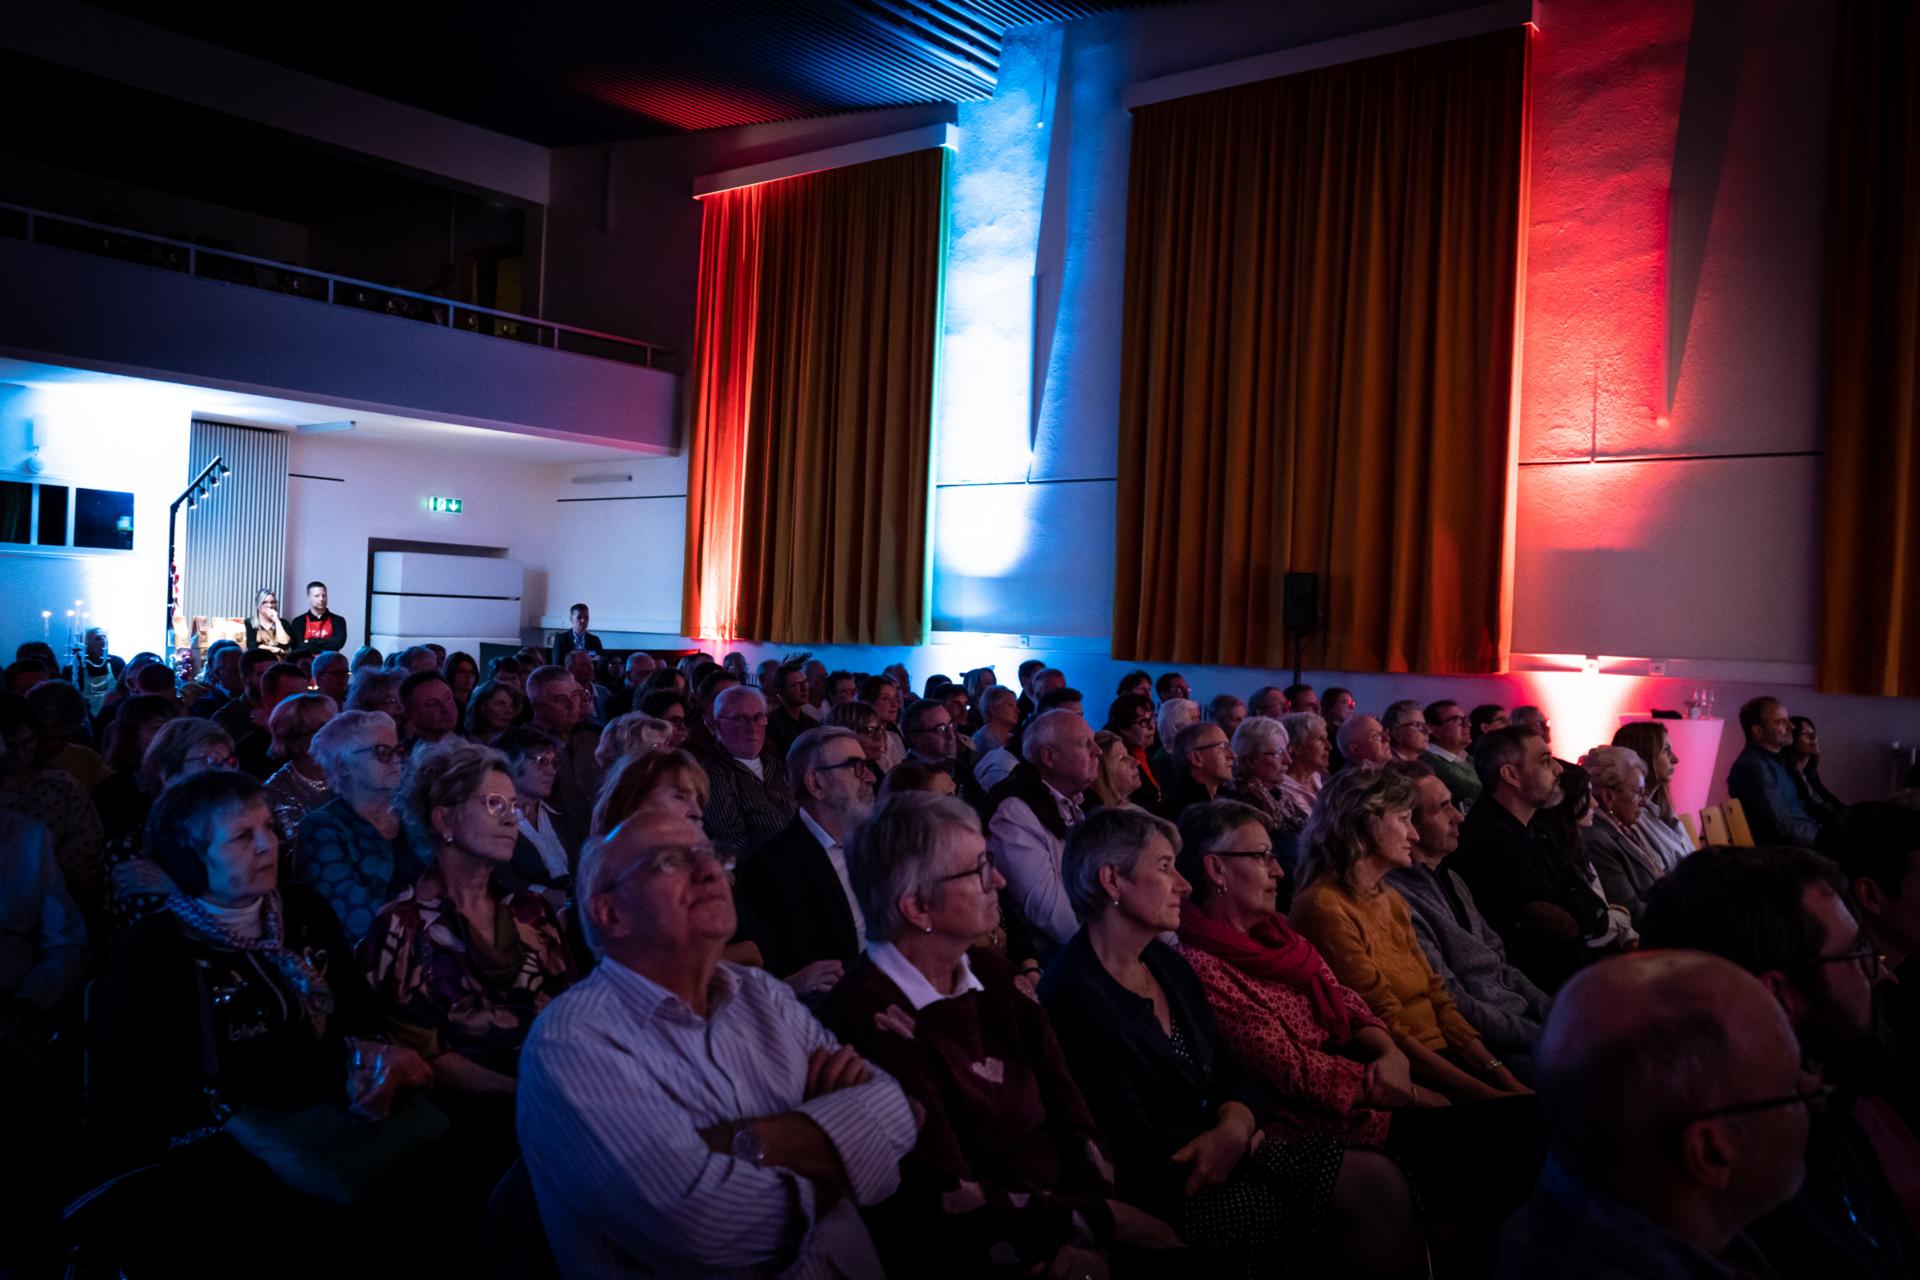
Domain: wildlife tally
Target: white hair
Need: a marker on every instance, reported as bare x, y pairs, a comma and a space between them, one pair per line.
1175, 715
1613, 766
1259, 733
1048, 729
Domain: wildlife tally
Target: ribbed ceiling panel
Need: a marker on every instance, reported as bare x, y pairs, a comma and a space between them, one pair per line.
571, 71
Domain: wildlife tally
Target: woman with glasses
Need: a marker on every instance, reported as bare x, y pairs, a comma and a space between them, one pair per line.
1010, 1175
1331, 1072
1261, 751
1130, 718
299, 786
864, 721
351, 848
136, 885
461, 963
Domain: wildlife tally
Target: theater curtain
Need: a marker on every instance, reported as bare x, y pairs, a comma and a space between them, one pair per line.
809, 481
1321, 281
1869, 619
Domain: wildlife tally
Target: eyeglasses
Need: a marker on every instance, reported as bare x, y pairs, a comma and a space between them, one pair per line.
1453, 719
875, 730
1869, 960
670, 860
936, 728
851, 762
1265, 855
757, 717
383, 752
542, 759
219, 759
1799, 1098
1421, 725
983, 872
499, 806
1143, 722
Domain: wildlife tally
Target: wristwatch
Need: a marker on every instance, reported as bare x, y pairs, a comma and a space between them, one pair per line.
746, 1145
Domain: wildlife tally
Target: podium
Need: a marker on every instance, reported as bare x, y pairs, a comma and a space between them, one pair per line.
1697, 743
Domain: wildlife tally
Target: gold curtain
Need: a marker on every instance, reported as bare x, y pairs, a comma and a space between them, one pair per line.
1317, 362
809, 475
1869, 617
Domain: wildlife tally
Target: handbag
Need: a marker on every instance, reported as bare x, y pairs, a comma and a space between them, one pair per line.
326, 1151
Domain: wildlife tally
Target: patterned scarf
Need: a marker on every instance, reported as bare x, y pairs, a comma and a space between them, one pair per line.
316, 998
1272, 952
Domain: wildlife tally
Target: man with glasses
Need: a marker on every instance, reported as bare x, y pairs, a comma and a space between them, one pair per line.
554, 698
1029, 814
1206, 761
549, 841
749, 800
1680, 1115
787, 716
680, 1115
1762, 780
796, 883
1781, 914
1448, 738
1363, 743
1406, 727
1877, 845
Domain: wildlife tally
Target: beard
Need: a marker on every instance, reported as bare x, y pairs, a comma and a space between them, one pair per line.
1858, 1059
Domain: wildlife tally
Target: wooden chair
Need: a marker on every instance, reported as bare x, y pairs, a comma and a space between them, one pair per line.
1737, 824
1692, 829
1713, 826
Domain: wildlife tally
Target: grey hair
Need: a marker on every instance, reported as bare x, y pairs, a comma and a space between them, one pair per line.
1395, 710
1048, 729
1109, 838
1175, 709
442, 776
804, 754
1337, 835
1222, 704
372, 684
735, 694
1299, 725
302, 713
621, 737
1189, 737
897, 852
541, 677
1349, 735
1611, 766
339, 737
994, 696
1258, 733
175, 743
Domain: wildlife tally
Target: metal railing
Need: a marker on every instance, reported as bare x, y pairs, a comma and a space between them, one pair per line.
59, 231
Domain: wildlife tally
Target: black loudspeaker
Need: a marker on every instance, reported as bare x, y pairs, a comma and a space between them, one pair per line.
1302, 603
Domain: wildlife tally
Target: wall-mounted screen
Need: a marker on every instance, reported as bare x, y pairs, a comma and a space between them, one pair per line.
53, 516
103, 518
16, 511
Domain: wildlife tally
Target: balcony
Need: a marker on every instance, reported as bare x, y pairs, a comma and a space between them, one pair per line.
105, 297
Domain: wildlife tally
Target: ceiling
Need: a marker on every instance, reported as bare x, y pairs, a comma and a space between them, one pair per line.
576, 71
248, 410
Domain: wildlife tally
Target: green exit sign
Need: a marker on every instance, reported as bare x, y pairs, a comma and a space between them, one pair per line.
450, 506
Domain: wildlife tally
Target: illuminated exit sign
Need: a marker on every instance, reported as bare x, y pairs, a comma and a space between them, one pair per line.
449, 506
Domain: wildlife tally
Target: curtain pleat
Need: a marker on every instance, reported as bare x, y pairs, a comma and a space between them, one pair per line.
1317, 359
1869, 619
236, 539
814, 372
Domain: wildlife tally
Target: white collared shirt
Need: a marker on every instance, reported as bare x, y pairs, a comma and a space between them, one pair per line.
753, 766
838, 857
546, 842
913, 984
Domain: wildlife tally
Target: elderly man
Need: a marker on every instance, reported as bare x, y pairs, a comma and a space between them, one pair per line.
1672, 1083
1540, 906
332, 673
1269, 701
787, 715
1226, 711
1029, 816
1448, 738
1206, 764
639, 665
1501, 1002
1406, 726
684, 1116
554, 698
1000, 718
1782, 915
1363, 743
748, 799
1762, 781
796, 883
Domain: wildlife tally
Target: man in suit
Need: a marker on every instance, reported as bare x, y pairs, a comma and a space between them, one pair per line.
796, 883
576, 637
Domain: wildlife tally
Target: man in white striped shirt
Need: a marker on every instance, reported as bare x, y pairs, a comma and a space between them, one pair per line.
683, 1116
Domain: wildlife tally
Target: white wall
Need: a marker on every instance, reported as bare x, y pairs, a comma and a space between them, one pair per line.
130, 437
617, 545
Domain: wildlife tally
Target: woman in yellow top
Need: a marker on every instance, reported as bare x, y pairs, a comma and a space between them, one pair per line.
1361, 829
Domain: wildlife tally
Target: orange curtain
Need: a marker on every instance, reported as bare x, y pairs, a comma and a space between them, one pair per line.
1869, 619
809, 473
1317, 362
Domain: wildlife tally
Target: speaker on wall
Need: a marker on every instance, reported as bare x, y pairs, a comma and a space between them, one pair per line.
1301, 596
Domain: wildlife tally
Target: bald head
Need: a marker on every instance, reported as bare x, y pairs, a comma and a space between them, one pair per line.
1636, 1054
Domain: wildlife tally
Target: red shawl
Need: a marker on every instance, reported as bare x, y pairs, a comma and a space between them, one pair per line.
1271, 951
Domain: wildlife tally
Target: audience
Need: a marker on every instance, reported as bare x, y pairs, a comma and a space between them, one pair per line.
1485, 718
352, 850
1616, 844
1259, 765
999, 709
796, 883
299, 785
633, 734
883, 696
1679, 1112
1363, 744
432, 712
749, 799
495, 707
1175, 714
1659, 822
331, 675
1130, 717
1336, 708
576, 637
1501, 1002
1802, 758
1227, 711
1877, 846
51, 798
787, 708
1177, 1105
318, 630
1764, 783
134, 885
554, 697
1029, 817
1273, 702
1531, 717
547, 843
932, 737
1010, 1172
121, 799
1781, 914
1407, 731
65, 732
1204, 764
1448, 741
265, 631
1119, 776
682, 1114
1361, 831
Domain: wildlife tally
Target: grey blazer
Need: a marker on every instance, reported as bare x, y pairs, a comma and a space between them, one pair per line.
1624, 871
1499, 1000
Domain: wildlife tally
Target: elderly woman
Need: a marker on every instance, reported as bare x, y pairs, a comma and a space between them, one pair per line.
494, 708
351, 848
633, 734
1175, 715
136, 885
1659, 821
1164, 1083
241, 994
1309, 757
1130, 718
377, 691
1119, 776
1616, 845
1260, 754
1362, 830
460, 963
299, 786
1010, 1176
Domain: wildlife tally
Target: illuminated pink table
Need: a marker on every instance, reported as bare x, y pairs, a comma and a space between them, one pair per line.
1697, 743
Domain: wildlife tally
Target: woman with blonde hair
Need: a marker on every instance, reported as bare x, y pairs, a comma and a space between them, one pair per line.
265, 630
633, 734
1119, 775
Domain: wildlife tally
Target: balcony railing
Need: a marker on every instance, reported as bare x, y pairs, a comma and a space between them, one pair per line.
81, 236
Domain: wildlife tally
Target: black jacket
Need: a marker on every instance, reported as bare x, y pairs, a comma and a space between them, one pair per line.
527, 865
301, 630
1508, 867
796, 898
1146, 1098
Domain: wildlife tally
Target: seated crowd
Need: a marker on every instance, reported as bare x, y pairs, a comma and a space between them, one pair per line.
640, 967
